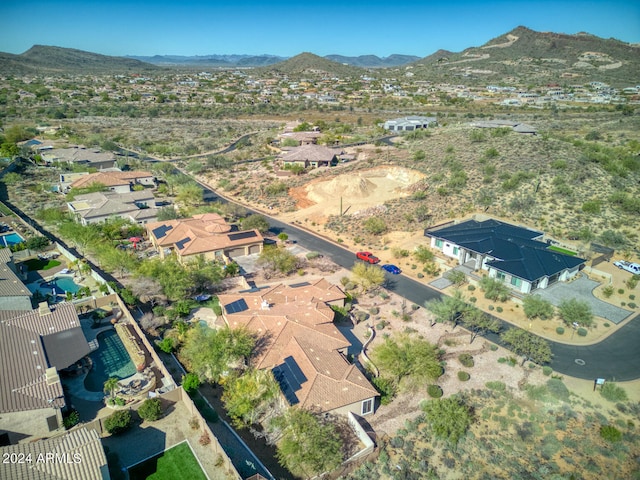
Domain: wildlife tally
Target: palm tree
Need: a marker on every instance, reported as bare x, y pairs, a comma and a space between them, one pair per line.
110, 385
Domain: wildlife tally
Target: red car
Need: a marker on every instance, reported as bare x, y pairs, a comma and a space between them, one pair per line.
367, 257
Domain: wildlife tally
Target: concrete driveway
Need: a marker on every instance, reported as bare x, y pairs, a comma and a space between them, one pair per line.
582, 289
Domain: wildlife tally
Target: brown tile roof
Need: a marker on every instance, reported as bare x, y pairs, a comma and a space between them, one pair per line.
78, 455
31, 342
10, 284
199, 234
296, 323
110, 179
312, 153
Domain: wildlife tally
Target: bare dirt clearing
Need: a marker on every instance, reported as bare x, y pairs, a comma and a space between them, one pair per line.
355, 192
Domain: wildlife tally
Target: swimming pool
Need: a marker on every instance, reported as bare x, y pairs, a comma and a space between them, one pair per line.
11, 239
109, 360
60, 285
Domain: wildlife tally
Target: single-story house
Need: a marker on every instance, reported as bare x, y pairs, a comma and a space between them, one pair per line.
513, 254
310, 156
34, 347
137, 207
74, 455
207, 235
302, 138
409, 124
119, 182
79, 155
302, 346
14, 295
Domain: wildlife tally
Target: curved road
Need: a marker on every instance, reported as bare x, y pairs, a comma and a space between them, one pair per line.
615, 358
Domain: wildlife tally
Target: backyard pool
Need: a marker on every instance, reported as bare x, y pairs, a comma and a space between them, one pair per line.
11, 239
56, 286
109, 360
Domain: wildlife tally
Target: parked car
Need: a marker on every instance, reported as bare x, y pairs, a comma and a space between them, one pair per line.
628, 266
391, 269
367, 257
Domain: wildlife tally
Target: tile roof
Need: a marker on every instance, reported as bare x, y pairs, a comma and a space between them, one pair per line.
516, 249
104, 204
312, 153
110, 179
297, 331
10, 284
199, 234
30, 343
77, 455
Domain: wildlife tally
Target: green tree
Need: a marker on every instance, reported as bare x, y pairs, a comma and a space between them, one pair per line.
494, 289
37, 243
250, 397
120, 421
211, 354
449, 418
422, 254
111, 385
12, 178
277, 259
528, 345
575, 311
190, 382
368, 276
151, 409
456, 277
255, 221
537, 307
479, 323
447, 309
308, 446
403, 356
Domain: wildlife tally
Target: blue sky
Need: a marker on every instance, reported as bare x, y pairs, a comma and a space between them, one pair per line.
286, 28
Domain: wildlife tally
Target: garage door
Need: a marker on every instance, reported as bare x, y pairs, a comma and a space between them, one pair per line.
236, 252
254, 249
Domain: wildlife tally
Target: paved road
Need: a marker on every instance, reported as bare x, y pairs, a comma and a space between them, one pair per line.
615, 358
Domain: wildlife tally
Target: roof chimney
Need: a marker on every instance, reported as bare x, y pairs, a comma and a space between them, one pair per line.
52, 376
43, 309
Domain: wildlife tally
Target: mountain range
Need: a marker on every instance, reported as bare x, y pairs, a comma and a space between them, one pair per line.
538, 57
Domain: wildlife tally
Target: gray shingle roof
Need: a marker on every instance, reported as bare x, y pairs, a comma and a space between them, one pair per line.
515, 249
77, 455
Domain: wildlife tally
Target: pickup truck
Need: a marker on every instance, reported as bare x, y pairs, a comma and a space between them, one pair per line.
628, 266
367, 257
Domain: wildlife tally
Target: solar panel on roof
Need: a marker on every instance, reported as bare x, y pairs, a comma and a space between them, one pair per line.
290, 377
242, 235
301, 284
288, 393
161, 231
181, 243
237, 306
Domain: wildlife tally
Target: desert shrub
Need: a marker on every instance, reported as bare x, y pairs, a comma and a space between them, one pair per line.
463, 376
607, 291
151, 409
71, 420
471, 288
374, 310
466, 359
582, 332
613, 392
194, 423
499, 309
473, 299
546, 370
167, 345
190, 382
386, 387
361, 316
120, 421
204, 439
491, 308
560, 330
558, 389
375, 226
312, 255
631, 305
434, 391
610, 433
497, 386
493, 347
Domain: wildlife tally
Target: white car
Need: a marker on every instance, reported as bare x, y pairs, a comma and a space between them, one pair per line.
628, 266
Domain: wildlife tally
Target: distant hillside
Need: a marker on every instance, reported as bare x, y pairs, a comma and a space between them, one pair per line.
539, 57
308, 63
46, 59
373, 61
229, 61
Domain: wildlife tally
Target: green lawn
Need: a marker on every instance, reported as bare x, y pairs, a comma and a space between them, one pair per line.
177, 463
563, 250
37, 264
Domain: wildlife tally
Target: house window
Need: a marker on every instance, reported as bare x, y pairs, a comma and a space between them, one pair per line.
517, 282
367, 406
439, 243
500, 276
455, 250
